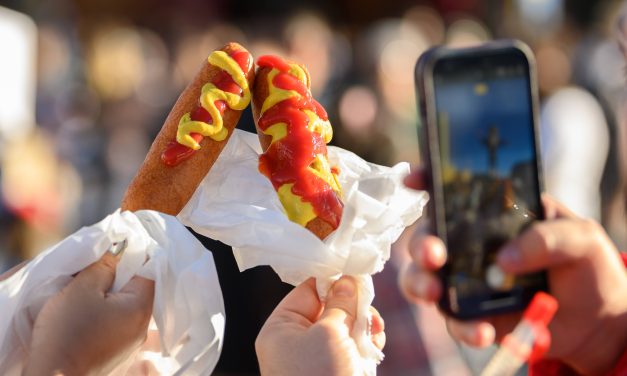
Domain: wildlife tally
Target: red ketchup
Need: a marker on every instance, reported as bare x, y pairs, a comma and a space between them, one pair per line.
176, 153
287, 160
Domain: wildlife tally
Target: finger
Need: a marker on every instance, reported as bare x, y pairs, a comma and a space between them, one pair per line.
98, 276
379, 340
135, 300
302, 300
141, 289
341, 303
427, 251
552, 243
377, 328
419, 285
377, 325
416, 180
554, 209
473, 333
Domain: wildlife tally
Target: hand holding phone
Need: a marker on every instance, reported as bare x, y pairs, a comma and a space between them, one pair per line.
479, 142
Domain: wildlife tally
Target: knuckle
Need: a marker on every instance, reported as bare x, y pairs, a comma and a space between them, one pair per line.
405, 277
350, 313
346, 306
107, 263
591, 227
595, 232
542, 237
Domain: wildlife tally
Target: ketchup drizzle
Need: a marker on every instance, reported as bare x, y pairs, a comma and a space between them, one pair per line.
287, 160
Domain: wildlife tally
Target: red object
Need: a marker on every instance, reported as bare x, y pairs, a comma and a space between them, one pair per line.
539, 313
288, 160
621, 368
541, 309
550, 367
175, 153
42, 211
271, 61
553, 367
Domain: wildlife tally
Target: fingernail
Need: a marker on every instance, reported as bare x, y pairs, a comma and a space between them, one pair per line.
509, 256
117, 248
344, 287
438, 256
485, 335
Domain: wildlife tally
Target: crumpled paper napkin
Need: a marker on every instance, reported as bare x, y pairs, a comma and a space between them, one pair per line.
238, 206
188, 322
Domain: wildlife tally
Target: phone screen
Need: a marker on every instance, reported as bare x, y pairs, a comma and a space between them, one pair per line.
489, 175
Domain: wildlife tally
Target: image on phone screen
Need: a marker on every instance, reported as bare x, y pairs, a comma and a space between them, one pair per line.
489, 172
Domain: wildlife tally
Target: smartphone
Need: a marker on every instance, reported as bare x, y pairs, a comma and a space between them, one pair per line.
479, 142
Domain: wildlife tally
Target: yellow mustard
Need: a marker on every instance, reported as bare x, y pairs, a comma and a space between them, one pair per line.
209, 94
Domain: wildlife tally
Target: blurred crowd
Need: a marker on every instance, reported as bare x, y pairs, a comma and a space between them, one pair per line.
97, 79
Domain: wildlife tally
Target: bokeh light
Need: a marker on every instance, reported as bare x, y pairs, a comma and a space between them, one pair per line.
541, 15
467, 32
428, 20
554, 68
115, 61
397, 54
358, 109
309, 40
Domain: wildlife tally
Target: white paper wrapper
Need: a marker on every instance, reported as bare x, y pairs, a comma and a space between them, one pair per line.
238, 206
189, 320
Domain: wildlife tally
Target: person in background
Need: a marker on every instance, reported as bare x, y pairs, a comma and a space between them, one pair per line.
586, 276
573, 162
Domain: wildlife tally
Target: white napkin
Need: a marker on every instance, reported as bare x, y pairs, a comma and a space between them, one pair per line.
238, 206
189, 320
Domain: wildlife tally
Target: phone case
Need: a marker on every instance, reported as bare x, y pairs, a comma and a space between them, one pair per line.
429, 146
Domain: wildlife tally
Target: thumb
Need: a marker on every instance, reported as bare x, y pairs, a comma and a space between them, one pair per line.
551, 243
301, 301
341, 304
99, 276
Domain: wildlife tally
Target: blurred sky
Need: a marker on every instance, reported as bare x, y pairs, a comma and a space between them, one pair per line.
505, 106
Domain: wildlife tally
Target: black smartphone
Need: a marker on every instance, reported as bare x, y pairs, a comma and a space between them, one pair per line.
480, 146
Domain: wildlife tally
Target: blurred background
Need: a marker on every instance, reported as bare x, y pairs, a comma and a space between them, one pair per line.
85, 87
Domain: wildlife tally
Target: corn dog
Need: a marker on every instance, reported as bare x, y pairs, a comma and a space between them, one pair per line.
194, 133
